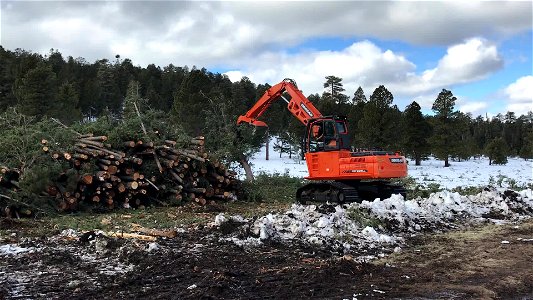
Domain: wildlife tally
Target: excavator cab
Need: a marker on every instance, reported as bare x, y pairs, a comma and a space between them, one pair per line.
326, 134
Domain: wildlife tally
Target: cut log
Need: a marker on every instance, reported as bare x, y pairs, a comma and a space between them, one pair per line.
112, 169
124, 235
116, 154
154, 232
87, 179
121, 188
92, 143
175, 176
132, 185
170, 143
129, 144
101, 138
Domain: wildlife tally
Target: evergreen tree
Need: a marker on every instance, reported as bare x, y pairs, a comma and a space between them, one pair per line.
443, 130
416, 131
378, 125
355, 113
381, 97
526, 152
7, 97
89, 99
334, 89
228, 141
465, 147
359, 96
56, 61
189, 108
133, 101
284, 144
36, 91
66, 108
496, 150
109, 93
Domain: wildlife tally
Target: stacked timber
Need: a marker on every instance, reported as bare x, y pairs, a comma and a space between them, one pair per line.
137, 174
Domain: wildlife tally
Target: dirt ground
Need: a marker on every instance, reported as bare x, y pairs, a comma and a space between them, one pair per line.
484, 262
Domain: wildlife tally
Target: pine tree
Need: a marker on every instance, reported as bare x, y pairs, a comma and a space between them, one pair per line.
464, 147
496, 150
526, 152
228, 141
36, 91
377, 127
133, 101
443, 129
7, 97
416, 131
66, 108
381, 97
334, 89
109, 93
359, 96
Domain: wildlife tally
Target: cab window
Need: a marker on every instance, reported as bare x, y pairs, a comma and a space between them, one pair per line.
341, 127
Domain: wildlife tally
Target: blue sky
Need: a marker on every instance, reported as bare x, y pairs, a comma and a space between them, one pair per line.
481, 51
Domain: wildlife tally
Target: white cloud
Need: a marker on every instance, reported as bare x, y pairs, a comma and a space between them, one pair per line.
475, 108
221, 33
466, 62
366, 65
520, 95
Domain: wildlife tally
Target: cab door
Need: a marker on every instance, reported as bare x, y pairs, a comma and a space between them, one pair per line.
322, 135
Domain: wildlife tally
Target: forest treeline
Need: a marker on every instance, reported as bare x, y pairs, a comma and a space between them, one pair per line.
200, 102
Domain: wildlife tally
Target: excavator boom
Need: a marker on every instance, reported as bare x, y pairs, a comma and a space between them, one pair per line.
287, 90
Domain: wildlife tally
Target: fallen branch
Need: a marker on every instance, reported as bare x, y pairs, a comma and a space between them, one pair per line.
125, 235
154, 232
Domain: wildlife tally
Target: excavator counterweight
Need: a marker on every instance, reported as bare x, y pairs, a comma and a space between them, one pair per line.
336, 172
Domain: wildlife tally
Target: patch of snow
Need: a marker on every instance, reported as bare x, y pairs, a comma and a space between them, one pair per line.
311, 225
14, 249
69, 233
334, 228
220, 219
152, 247
473, 172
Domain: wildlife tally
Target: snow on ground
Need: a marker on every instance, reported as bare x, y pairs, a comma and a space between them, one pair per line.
13, 249
474, 172
378, 227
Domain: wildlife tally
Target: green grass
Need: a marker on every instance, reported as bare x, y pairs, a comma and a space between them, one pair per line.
362, 217
273, 188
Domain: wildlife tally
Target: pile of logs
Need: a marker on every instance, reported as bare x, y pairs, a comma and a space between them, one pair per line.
138, 174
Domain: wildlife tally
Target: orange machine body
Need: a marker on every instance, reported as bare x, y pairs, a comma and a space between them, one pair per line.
343, 165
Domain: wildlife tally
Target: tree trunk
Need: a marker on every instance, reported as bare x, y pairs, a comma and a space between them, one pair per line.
446, 162
267, 147
418, 161
247, 168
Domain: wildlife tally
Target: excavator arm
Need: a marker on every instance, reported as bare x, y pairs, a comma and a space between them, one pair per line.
287, 90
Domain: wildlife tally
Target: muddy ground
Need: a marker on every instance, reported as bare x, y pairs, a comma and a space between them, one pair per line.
483, 262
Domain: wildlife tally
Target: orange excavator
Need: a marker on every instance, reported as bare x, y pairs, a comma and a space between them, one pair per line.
337, 173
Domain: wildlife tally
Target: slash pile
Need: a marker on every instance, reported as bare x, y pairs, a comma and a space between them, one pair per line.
137, 174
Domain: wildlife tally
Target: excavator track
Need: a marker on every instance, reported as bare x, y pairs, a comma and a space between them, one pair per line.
347, 191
